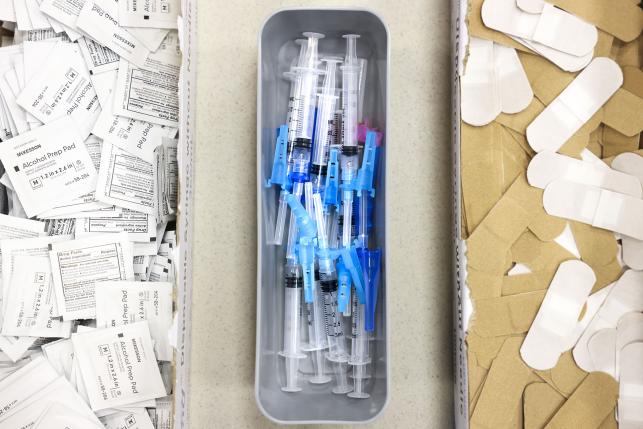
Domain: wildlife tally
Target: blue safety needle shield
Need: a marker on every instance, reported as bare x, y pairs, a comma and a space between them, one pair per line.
370, 260
367, 171
279, 174
331, 191
307, 233
352, 264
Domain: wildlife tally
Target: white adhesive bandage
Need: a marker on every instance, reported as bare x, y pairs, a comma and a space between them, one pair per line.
592, 305
480, 101
494, 81
631, 163
514, 87
548, 166
531, 6
630, 412
575, 105
629, 329
595, 206
601, 351
558, 315
626, 296
551, 27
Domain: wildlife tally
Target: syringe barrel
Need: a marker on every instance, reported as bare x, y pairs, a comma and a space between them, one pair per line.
362, 237
333, 318
280, 223
306, 103
316, 327
347, 219
333, 229
324, 131
350, 101
292, 115
363, 67
359, 342
293, 283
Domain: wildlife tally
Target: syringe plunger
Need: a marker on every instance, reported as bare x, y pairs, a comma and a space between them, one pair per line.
292, 304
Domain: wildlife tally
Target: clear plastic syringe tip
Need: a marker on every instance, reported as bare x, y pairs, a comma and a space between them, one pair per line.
330, 75
351, 48
312, 49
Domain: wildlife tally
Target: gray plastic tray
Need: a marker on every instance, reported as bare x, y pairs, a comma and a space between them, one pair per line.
315, 404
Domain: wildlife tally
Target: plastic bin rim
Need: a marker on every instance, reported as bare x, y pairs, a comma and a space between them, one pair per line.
259, 213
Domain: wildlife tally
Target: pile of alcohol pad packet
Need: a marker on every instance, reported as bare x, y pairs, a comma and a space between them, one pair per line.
89, 111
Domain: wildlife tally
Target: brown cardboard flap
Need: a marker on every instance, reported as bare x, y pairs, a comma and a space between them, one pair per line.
490, 242
538, 255
589, 405
623, 113
597, 247
502, 392
622, 18
566, 375
546, 227
627, 54
604, 44
633, 80
482, 172
484, 285
607, 274
547, 81
575, 145
519, 121
540, 403
609, 422
507, 315
529, 282
477, 377
615, 143
485, 349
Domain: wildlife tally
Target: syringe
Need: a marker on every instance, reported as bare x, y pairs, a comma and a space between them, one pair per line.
295, 93
312, 295
326, 106
337, 353
299, 157
306, 99
317, 340
359, 351
350, 158
292, 308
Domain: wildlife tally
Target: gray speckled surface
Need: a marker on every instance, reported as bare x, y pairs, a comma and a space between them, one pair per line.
223, 332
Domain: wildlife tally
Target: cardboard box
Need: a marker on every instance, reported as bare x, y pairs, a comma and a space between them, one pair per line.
185, 216
519, 223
